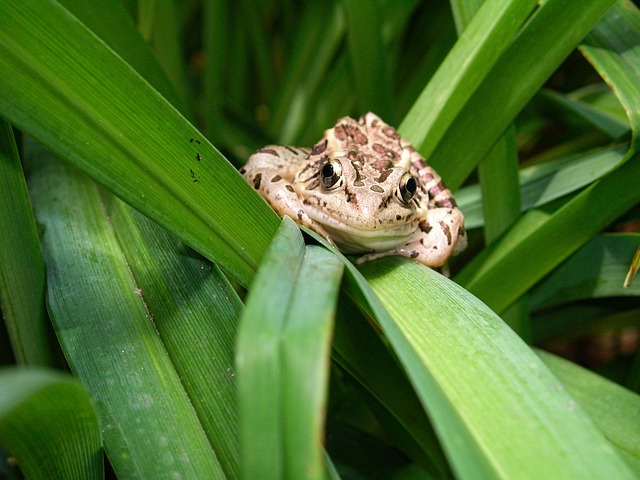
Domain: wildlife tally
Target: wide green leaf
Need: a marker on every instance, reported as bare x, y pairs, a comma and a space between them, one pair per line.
614, 409
471, 373
65, 87
106, 331
110, 21
195, 312
282, 351
48, 423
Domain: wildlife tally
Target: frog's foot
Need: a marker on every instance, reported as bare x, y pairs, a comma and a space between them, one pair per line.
286, 202
441, 237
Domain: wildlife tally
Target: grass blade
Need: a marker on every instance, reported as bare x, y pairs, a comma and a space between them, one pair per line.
195, 312
542, 184
110, 21
477, 50
542, 239
614, 409
597, 270
517, 75
22, 276
371, 74
610, 47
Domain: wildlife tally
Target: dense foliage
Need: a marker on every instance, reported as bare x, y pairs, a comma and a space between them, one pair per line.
197, 327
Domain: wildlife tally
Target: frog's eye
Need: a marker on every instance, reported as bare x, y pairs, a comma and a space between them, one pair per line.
331, 172
407, 187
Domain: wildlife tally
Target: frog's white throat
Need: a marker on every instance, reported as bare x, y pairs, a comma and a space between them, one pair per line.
355, 239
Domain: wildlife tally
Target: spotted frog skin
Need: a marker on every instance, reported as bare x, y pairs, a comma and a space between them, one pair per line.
365, 189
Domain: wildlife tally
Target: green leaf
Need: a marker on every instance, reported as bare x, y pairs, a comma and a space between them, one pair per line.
471, 373
22, 276
610, 47
360, 351
544, 183
69, 90
106, 330
614, 409
477, 50
282, 351
633, 269
596, 270
368, 58
608, 122
195, 312
517, 75
48, 423
109, 20
165, 40
317, 38
542, 239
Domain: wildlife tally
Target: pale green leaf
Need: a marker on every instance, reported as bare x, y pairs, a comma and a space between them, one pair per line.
109, 339
527, 62
472, 373
614, 409
282, 352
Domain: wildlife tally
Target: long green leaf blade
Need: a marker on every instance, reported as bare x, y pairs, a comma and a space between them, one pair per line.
541, 239
614, 409
368, 57
306, 346
471, 372
110, 21
479, 47
597, 270
258, 358
48, 423
195, 312
611, 48
519, 72
66, 88
283, 346
109, 340
22, 277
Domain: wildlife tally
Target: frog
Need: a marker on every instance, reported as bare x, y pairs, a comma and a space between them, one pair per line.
365, 190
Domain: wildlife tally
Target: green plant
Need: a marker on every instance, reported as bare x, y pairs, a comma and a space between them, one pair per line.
189, 376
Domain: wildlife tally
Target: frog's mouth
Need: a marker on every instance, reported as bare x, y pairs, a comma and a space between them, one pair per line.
361, 239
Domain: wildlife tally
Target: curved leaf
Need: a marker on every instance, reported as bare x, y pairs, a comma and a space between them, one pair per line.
48, 423
472, 373
65, 87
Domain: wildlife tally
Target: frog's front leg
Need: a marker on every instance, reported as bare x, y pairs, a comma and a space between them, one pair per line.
440, 236
271, 171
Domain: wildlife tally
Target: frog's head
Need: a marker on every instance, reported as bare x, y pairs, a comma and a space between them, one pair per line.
357, 185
